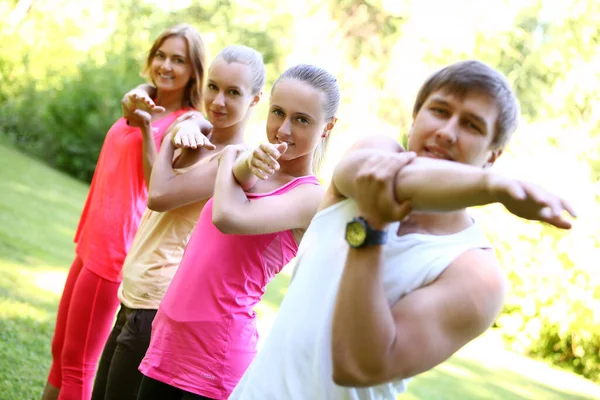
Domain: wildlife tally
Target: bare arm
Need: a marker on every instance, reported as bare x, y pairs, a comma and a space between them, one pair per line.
375, 343
438, 185
148, 150
233, 213
242, 173
433, 185
168, 190
142, 120
259, 163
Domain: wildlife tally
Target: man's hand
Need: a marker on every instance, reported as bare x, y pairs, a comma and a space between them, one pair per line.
262, 161
530, 201
375, 196
187, 134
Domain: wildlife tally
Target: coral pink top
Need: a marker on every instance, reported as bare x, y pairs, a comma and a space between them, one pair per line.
117, 198
204, 334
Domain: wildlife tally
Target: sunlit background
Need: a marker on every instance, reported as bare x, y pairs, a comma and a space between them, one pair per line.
65, 64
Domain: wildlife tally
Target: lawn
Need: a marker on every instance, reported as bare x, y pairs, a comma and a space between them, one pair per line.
39, 209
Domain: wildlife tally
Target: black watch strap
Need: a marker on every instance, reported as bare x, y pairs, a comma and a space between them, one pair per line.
371, 236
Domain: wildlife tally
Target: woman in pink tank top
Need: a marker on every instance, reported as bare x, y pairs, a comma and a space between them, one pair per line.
204, 334
112, 212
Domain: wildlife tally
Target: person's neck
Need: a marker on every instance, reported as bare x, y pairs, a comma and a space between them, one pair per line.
301, 166
170, 100
222, 137
435, 223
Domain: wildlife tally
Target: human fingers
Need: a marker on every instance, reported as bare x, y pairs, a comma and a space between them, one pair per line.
267, 154
261, 168
206, 143
263, 172
185, 140
125, 110
559, 213
175, 138
143, 103
404, 158
378, 170
515, 190
126, 104
274, 151
558, 220
158, 110
281, 148
569, 208
144, 116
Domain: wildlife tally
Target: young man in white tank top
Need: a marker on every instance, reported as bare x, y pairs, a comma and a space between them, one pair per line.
374, 301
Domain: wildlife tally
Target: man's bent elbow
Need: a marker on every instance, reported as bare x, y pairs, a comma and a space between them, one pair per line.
346, 374
343, 376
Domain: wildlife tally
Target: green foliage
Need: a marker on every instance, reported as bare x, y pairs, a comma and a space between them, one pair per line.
59, 108
552, 310
65, 125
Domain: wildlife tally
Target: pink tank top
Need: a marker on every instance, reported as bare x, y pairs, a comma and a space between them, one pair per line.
117, 198
204, 334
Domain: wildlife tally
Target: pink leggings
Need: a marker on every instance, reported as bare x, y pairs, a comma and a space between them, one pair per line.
85, 317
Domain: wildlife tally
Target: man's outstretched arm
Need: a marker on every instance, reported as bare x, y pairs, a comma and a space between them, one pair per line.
439, 185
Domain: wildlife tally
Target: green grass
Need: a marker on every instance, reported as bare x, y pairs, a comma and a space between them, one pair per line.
39, 210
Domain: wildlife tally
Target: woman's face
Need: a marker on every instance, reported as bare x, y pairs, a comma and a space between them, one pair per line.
297, 117
228, 93
171, 68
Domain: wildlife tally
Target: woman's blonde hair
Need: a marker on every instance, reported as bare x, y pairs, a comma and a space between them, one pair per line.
247, 56
197, 56
325, 82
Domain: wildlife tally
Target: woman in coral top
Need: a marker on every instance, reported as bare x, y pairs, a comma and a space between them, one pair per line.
204, 334
112, 212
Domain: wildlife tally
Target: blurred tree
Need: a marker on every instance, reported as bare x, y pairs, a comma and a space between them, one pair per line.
67, 66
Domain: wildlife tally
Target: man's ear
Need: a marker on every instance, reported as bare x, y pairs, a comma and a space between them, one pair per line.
493, 157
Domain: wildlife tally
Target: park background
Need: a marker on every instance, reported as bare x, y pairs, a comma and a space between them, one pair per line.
65, 64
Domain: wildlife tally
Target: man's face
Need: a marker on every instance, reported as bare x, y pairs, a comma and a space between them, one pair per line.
450, 128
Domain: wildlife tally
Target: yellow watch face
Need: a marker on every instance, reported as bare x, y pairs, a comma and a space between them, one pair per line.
355, 233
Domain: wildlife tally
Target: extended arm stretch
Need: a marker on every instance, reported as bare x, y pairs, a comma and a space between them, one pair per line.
438, 185
432, 185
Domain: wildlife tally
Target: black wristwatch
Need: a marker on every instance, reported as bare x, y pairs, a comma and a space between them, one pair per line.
359, 234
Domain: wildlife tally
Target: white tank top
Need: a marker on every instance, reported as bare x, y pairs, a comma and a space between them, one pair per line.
295, 360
